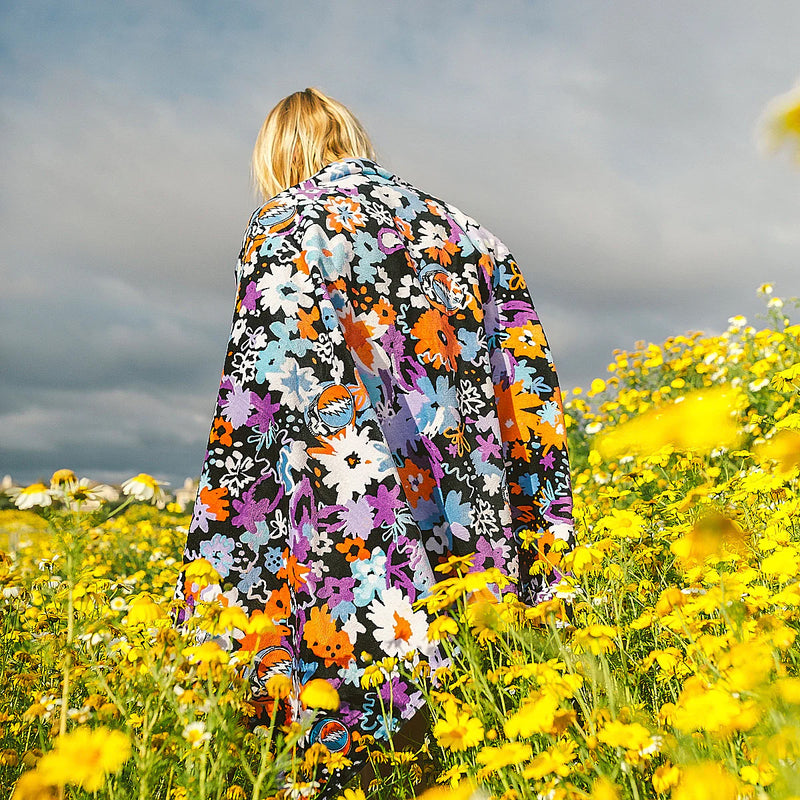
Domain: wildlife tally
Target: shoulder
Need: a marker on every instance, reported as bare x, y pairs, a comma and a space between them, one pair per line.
276, 215
482, 238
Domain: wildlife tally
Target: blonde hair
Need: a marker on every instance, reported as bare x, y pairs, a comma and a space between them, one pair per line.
304, 132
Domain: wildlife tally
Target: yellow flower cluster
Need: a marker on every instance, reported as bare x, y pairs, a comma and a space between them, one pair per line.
100, 692
666, 664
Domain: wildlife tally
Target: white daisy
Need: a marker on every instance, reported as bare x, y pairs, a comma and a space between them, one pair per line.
355, 462
145, 487
37, 494
195, 733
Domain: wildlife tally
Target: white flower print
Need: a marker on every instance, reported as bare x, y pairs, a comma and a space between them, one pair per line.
431, 236
387, 195
283, 288
483, 518
355, 461
237, 473
398, 628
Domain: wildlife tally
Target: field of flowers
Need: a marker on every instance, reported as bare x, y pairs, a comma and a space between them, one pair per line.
666, 666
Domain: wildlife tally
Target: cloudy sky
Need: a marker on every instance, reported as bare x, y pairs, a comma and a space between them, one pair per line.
610, 145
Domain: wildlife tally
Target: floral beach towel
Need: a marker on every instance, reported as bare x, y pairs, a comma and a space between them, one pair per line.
388, 400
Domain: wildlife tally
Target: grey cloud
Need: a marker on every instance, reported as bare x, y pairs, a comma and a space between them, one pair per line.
609, 145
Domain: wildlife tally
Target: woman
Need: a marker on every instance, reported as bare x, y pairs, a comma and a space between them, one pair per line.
388, 400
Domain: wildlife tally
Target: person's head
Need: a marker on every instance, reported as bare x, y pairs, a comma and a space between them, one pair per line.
304, 132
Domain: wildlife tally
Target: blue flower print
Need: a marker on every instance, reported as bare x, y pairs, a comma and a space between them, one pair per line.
219, 551
370, 575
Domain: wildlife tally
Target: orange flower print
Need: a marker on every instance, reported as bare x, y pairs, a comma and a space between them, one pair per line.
520, 451
344, 213
417, 482
279, 604
550, 434
403, 227
294, 571
262, 634
385, 312
353, 549
402, 628
435, 208
301, 263
358, 335
253, 243
527, 340
442, 253
325, 641
216, 501
221, 431
305, 322
437, 342
515, 406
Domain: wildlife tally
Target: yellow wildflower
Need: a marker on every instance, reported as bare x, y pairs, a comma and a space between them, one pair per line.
604, 789
63, 477
457, 729
495, 758
32, 786
629, 736
278, 686
699, 421
373, 676
783, 564
783, 448
84, 757
463, 791
536, 715
143, 611
484, 619
233, 617
785, 744
318, 693
446, 592
555, 761
714, 710
598, 386
667, 659
745, 665
789, 690
202, 572
787, 378
597, 639
710, 536
665, 778
706, 781
441, 627
762, 774
780, 122
583, 560
207, 653
623, 524
457, 564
